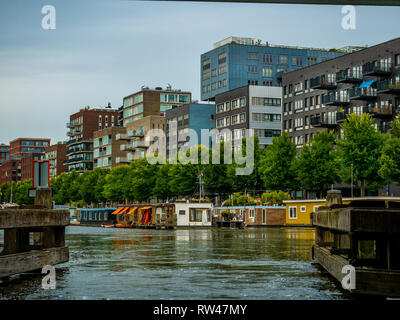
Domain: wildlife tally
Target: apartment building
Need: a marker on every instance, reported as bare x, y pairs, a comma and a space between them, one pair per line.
57, 156
133, 142
250, 107
20, 146
152, 102
194, 116
4, 153
236, 62
320, 96
10, 171
81, 126
106, 147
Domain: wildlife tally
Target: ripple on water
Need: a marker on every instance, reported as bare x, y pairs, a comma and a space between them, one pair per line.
183, 264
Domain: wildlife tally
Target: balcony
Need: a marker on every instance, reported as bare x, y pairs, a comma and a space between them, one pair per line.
348, 76
136, 133
322, 84
341, 116
120, 160
121, 136
323, 121
367, 93
336, 99
384, 112
139, 145
388, 86
377, 68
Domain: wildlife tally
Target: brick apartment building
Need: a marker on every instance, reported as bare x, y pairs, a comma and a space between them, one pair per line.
106, 147
4, 153
152, 102
27, 145
22, 152
82, 125
57, 155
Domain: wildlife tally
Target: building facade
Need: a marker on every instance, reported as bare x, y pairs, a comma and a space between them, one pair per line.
57, 156
4, 153
27, 163
106, 147
10, 171
235, 62
82, 125
134, 143
152, 102
250, 107
194, 116
320, 96
20, 146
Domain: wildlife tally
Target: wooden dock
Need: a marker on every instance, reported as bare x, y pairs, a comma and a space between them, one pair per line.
34, 236
365, 235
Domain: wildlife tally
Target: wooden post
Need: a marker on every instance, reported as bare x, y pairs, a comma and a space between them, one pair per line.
44, 198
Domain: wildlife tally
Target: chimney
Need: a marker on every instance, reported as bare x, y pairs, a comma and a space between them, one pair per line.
333, 197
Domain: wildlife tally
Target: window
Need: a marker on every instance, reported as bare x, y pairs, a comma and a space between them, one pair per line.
283, 59
267, 58
206, 69
242, 117
303, 209
235, 104
214, 86
227, 106
183, 98
267, 72
222, 63
213, 72
397, 60
252, 56
266, 117
252, 82
220, 107
267, 133
267, 102
252, 69
196, 215
251, 213
297, 60
267, 83
311, 60
224, 83
242, 102
292, 212
235, 119
182, 212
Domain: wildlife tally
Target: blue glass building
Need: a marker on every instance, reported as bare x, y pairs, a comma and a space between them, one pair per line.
236, 62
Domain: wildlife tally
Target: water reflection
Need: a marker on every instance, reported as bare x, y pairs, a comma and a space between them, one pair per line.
272, 263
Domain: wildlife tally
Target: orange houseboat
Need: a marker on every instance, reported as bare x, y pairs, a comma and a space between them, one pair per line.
145, 216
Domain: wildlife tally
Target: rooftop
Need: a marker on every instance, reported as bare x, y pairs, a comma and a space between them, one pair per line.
258, 42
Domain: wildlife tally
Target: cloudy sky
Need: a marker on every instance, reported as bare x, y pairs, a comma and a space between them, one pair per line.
103, 50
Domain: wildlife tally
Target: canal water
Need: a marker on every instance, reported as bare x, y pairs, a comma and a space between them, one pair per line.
260, 263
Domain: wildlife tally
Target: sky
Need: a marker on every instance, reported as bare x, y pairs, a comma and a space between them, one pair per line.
103, 50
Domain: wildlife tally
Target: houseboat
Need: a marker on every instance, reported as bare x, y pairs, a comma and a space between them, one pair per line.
250, 216
97, 217
360, 241
164, 216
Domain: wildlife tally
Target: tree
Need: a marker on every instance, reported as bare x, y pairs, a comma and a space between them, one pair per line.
161, 186
360, 149
276, 167
116, 187
317, 166
274, 197
390, 158
141, 179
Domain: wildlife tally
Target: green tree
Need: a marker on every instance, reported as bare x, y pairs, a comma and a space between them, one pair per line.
317, 166
141, 179
360, 149
116, 186
277, 166
390, 158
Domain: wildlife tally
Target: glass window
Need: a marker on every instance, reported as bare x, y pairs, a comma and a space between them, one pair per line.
196, 215
292, 212
267, 72
242, 102
297, 60
267, 58
252, 69
252, 56
283, 59
184, 98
